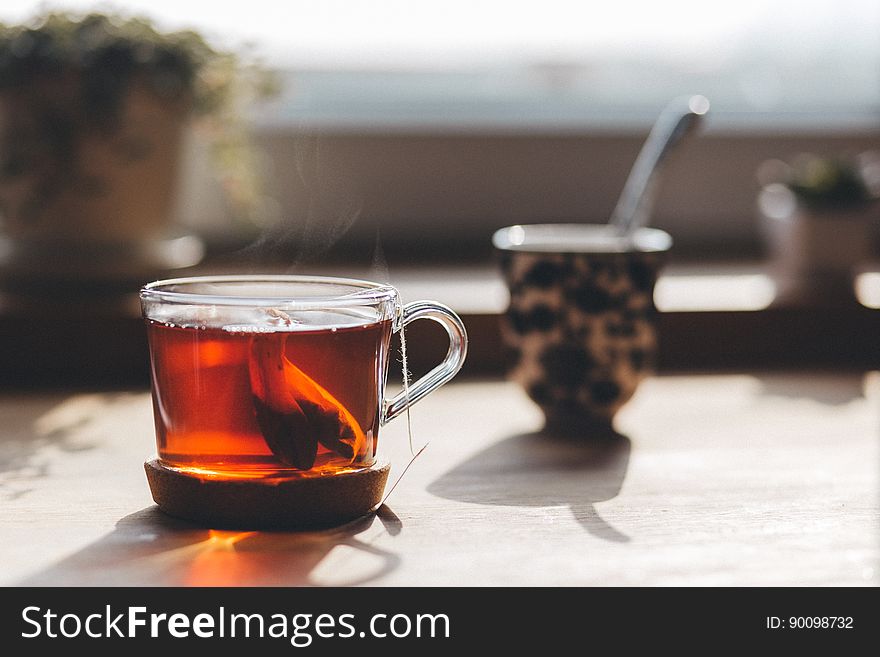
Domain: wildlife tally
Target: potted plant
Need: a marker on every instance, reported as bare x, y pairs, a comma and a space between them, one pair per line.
816, 215
94, 110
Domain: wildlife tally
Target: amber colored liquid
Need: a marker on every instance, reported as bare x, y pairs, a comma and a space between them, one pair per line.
292, 402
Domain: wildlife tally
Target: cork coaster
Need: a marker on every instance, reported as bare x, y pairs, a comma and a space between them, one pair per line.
272, 503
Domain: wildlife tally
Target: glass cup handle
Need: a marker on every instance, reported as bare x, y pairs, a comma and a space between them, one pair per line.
445, 370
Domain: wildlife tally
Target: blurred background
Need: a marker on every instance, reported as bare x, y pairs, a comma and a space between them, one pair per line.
388, 140
391, 138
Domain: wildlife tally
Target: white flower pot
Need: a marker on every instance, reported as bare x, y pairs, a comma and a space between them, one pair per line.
814, 253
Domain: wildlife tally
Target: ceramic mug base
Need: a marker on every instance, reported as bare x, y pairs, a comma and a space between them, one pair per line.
581, 427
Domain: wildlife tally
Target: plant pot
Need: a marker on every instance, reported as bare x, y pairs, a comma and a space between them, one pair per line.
814, 252
88, 202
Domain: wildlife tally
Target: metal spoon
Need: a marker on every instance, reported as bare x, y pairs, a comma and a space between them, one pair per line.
677, 120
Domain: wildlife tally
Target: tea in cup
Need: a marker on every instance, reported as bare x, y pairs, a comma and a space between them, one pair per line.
276, 378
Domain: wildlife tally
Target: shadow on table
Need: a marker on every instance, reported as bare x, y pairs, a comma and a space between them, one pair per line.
149, 548
541, 470
28, 435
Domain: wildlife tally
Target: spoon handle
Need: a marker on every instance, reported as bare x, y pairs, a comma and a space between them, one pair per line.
678, 119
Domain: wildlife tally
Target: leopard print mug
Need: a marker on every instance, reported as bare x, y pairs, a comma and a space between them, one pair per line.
579, 330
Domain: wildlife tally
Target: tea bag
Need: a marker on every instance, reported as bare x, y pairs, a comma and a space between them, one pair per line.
293, 411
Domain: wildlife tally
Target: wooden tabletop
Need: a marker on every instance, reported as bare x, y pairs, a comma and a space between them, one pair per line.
716, 480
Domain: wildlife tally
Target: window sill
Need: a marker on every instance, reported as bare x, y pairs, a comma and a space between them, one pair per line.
711, 317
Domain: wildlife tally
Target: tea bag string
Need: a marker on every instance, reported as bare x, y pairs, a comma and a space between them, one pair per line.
406, 380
